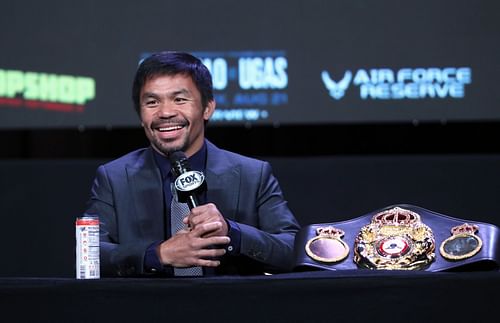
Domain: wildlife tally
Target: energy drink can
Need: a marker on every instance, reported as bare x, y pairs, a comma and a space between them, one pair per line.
87, 247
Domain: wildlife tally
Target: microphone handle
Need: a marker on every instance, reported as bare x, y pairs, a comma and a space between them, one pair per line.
192, 201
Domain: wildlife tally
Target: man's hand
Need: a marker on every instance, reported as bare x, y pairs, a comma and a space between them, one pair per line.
195, 246
204, 214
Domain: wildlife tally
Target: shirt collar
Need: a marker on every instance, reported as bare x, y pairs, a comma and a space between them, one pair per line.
197, 161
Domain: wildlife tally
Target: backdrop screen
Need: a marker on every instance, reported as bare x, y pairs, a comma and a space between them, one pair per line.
285, 62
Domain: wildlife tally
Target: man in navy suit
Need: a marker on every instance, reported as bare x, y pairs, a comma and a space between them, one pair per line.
242, 226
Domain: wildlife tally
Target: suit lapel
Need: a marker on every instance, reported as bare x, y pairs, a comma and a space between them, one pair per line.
146, 189
223, 182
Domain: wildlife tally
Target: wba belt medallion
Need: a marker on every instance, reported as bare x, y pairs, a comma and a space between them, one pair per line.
327, 246
395, 239
462, 244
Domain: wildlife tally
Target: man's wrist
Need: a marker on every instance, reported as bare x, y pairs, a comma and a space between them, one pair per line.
152, 263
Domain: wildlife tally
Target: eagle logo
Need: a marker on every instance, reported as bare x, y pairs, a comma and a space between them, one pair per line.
336, 89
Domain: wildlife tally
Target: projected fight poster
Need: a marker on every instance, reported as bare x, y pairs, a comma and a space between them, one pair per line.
272, 62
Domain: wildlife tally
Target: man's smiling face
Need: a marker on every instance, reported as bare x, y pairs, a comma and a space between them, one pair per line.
172, 114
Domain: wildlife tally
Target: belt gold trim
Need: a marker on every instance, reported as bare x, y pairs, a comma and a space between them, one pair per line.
327, 246
462, 244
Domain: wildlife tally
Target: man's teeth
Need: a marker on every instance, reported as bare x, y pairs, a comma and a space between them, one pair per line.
170, 128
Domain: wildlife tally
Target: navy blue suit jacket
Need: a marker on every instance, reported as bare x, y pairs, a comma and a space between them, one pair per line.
127, 195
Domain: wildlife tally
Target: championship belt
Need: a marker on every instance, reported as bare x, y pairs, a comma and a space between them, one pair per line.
395, 239
462, 244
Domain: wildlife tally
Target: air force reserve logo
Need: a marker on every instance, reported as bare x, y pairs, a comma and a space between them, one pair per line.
401, 84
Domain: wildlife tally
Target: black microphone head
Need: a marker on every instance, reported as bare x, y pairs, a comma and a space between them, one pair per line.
178, 162
187, 182
176, 156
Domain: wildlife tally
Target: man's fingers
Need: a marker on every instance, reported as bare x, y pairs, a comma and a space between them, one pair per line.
205, 258
202, 243
217, 240
208, 227
207, 263
198, 239
211, 253
204, 214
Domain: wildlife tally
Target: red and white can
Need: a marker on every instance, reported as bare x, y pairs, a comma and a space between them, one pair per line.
87, 247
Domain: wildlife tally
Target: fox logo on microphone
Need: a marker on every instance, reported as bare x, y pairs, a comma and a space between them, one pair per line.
189, 181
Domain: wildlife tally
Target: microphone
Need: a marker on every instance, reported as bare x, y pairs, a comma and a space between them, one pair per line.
187, 182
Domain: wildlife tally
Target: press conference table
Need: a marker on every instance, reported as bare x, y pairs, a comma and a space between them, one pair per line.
315, 296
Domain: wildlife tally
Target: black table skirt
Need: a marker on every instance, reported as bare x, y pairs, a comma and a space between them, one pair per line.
321, 296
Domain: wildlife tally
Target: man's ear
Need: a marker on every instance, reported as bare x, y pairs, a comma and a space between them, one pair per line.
209, 110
